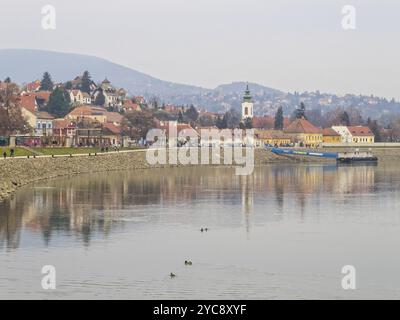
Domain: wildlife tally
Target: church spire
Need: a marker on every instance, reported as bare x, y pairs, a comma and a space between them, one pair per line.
247, 104
247, 95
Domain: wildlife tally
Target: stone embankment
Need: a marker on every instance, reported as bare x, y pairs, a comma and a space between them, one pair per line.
17, 172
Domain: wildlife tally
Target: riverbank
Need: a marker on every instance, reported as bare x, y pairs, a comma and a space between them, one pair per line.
18, 172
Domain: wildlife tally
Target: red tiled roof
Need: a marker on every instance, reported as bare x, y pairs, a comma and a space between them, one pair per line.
45, 95
267, 122
360, 131
330, 132
112, 128
302, 126
114, 117
130, 105
263, 122
44, 115
271, 134
62, 124
33, 86
28, 102
87, 111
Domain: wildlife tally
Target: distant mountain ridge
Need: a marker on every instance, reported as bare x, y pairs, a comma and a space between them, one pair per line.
25, 65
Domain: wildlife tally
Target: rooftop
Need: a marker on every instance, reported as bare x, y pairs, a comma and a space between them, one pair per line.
360, 131
330, 132
302, 126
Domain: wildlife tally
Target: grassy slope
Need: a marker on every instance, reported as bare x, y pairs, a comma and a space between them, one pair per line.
18, 152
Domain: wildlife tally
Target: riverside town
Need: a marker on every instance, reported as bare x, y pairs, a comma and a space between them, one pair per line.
206, 156
81, 116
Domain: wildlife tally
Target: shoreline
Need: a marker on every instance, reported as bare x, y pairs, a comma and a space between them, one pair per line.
18, 172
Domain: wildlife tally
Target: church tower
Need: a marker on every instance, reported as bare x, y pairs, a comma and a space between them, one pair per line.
247, 105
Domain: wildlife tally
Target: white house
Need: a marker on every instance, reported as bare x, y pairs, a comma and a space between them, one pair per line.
344, 133
44, 124
76, 97
355, 134
86, 98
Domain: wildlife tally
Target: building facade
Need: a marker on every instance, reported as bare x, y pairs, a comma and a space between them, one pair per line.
305, 133
355, 134
331, 136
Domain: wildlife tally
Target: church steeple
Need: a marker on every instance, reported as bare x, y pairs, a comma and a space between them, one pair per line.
247, 95
247, 104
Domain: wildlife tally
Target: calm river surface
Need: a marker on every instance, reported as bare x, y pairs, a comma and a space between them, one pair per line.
284, 232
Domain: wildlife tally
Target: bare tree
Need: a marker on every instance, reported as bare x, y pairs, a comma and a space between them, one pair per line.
11, 118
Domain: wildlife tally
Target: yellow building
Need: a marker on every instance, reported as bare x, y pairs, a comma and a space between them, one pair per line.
98, 114
271, 137
305, 133
331, 136
88, 112
361, 134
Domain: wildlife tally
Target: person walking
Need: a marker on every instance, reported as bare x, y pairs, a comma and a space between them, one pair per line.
12, 153
5, 154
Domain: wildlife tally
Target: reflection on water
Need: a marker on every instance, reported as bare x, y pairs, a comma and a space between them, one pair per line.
273, 221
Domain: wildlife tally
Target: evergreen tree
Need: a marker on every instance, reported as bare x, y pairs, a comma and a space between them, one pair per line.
231, 119
278, 125
58, 104
100, 99
180, 117
375, 128
191, 114
219, 123
345, 119
68, 85
7, 80
86, 82
301, 112
248, 123
46, 84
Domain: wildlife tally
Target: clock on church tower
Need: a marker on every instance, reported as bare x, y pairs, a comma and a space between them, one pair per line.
247, 104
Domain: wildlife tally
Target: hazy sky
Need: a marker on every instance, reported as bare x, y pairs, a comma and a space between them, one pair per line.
285, 44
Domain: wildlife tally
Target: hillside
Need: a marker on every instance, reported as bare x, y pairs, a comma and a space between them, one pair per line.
24, 65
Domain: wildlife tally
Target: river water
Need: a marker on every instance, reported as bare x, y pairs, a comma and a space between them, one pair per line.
284, 232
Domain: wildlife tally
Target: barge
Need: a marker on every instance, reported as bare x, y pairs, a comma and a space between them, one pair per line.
357, 156
341, 157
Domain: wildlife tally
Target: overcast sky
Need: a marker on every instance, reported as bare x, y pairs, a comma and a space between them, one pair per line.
285, 44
